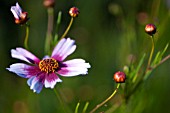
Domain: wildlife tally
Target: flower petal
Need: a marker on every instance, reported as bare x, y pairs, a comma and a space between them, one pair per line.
74, 67
24, 55
16, 10
24, 70
35, 84
64, 48
51, 80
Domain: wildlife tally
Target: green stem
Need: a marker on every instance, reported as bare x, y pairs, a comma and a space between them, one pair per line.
61, 102
50, 12
151, 54
110, 97
68, 28
26, 37
85, 107
77, 107
148, 72
162, 61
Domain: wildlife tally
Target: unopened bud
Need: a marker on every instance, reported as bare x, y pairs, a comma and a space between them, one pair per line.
74, 11
150, 29
49, 3
119, 77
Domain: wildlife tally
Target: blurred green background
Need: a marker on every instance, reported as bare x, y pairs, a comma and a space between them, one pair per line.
107, 33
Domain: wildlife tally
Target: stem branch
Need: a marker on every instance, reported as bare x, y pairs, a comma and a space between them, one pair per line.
68, 28
61, 102
151, 54
50, 12
101, 104
26, 37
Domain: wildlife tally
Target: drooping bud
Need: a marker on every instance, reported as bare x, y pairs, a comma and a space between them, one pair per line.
19, 15
49, 3
74, 11
119, 77
150, 29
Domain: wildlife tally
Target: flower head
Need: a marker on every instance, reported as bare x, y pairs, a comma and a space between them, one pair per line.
19, 15
119, 77
150, 29
44, 72
74, 12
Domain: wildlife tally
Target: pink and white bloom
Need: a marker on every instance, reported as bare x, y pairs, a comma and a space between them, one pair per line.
44, 72
19, 15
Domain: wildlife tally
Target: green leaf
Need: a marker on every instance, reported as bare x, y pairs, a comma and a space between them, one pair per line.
159, 56
138, 68
156, 59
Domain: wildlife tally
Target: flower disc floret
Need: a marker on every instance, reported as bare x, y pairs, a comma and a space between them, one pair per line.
48, 65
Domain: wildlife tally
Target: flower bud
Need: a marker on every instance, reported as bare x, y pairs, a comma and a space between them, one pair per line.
150, 29
49, 3
119, 77
74, 11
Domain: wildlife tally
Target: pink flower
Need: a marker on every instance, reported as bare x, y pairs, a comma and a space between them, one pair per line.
19, 15
44, 72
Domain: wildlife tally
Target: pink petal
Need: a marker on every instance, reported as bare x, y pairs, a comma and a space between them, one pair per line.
64, 48
74, 67
51, 80
24, 55
24, 70
16, 10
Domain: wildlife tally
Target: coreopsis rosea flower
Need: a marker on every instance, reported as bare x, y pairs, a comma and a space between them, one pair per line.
19, 15
45, 72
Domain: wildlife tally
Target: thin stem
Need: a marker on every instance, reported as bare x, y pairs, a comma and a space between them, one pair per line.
151, 54
77, 107
50, 12
61, 102
68, 28
85, 107
162, 61
110, 97
26, 37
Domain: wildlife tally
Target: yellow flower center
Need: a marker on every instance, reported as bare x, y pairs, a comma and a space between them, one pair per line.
48, 65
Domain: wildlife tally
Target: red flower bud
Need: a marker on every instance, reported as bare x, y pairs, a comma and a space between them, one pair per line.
150, 29
74, 11
119, 77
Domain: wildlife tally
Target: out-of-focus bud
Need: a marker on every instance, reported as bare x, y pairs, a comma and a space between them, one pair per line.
126, 69
49, 3
150, 29
74, 11
119, 77
19, 15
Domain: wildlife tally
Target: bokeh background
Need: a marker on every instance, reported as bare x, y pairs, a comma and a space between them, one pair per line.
107, 33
